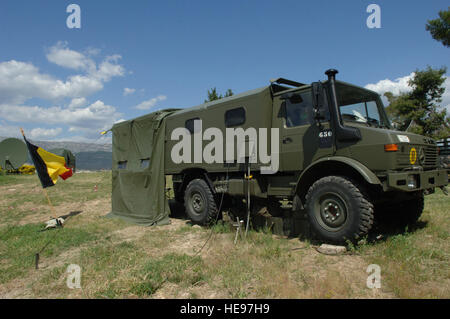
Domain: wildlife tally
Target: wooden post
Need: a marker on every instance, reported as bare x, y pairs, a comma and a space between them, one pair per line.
50, 203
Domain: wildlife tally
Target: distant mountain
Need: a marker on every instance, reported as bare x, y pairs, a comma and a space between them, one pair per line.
93, 160
88, 156
74, 147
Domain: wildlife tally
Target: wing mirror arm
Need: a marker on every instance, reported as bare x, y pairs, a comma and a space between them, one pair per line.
318, 101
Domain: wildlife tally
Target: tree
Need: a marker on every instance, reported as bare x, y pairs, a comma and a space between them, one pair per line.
419, 110
213, 95
440, 27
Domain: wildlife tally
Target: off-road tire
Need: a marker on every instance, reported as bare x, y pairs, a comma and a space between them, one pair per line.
344, 200
199, 203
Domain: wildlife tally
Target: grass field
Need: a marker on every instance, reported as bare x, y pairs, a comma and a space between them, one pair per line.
119, 260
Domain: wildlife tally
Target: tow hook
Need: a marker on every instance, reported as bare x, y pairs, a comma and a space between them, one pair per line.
444, 190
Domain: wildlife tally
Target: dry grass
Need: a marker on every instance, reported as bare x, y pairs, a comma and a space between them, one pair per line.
120, 260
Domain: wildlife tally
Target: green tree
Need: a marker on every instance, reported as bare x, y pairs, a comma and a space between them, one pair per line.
440, 27
213, 95
419, 111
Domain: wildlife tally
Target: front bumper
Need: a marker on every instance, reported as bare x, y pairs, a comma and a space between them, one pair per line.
423, 180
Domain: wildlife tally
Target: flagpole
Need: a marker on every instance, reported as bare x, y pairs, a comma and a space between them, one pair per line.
52, 208
49, 202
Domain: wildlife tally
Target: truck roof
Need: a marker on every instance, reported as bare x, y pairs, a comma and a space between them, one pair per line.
276, 86
221, 101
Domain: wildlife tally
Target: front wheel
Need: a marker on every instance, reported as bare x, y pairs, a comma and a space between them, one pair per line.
199, 202
338, 210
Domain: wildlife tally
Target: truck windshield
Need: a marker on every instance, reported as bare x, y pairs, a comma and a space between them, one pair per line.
360, 106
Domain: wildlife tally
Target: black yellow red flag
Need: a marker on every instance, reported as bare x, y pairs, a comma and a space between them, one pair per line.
48, 165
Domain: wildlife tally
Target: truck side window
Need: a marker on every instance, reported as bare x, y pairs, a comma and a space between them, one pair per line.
145, 163
235, 117
122, 164
300, 111
189, 124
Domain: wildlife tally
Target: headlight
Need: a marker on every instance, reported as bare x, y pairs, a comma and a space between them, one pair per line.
412, 182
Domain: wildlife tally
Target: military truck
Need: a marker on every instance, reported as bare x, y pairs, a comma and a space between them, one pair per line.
340, 161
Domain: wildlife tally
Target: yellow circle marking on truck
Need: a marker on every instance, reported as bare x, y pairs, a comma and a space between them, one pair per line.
412, 155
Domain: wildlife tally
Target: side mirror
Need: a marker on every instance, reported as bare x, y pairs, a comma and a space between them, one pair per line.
318, 100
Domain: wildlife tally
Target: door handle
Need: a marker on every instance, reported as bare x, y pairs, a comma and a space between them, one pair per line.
287, 140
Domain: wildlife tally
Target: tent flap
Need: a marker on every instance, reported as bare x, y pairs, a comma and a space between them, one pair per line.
138, 181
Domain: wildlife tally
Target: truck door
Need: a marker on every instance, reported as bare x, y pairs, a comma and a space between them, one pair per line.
302, 140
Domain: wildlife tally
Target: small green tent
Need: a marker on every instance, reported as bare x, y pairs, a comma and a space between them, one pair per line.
138, 181
68, 156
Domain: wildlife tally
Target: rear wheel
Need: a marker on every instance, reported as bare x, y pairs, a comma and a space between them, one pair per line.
338, 210
199, 202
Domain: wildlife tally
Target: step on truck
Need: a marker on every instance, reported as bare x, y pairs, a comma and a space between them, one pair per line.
334, 156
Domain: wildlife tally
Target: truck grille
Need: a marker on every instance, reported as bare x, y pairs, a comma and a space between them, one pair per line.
427, 156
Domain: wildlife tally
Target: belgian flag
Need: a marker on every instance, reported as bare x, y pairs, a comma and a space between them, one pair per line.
48, 165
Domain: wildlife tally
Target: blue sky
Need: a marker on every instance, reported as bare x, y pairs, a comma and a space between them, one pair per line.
169, 53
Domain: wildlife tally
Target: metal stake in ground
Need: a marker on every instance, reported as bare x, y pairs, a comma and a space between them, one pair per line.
248, 177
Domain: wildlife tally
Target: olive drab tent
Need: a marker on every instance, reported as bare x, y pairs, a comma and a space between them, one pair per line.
138, 181
68, 156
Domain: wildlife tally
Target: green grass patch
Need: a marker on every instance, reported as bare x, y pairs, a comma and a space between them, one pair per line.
415, 263
175, 268
19, 244
6, 179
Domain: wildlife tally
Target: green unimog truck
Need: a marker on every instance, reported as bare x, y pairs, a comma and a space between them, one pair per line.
333, 155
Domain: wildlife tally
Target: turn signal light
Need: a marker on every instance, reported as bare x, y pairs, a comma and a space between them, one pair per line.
391, 148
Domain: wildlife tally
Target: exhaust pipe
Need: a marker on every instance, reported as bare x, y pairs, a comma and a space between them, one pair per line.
343, 133
331, 73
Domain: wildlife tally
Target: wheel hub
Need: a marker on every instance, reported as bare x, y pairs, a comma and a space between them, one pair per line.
197, 202
331, 211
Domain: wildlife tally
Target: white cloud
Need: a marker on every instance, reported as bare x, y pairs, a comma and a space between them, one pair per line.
92, 51
61, 55
100, 139
77, 103
94, 118
9, 130
148, 104
446, 95
128, 91
109, 68
21, 81
400, 85
42, 133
